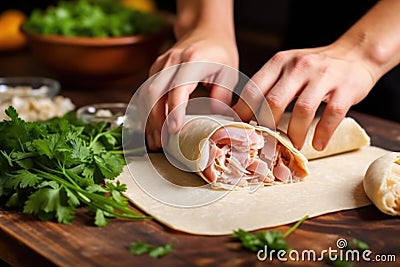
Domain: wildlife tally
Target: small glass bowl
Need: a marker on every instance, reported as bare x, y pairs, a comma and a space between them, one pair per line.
113, 113
27, 87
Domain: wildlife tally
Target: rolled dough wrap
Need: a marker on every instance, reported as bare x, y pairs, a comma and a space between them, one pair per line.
382, 183
348, 136
226, 153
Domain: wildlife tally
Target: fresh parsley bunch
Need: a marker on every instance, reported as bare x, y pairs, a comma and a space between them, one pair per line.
50, 168
92, 18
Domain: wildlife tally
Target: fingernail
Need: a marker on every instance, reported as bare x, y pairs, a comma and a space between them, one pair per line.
319, 145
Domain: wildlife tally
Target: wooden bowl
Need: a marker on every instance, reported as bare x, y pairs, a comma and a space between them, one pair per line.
87, 60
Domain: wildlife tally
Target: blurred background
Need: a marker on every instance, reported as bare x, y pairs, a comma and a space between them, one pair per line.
263, 28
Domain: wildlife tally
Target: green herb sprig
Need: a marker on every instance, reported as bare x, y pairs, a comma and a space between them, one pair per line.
272, 239
140, 248
354, 244
51, 168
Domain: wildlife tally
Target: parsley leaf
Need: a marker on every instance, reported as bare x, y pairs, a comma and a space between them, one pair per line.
354, 244
140, 248
274, 240
51, 168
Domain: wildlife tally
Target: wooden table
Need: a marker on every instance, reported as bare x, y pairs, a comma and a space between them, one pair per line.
25, 241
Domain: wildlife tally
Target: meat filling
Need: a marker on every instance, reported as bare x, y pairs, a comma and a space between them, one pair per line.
237, 158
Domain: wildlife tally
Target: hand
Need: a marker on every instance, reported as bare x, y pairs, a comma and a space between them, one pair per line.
162, 96
312, 76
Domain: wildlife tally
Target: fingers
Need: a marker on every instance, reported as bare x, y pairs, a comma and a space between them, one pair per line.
259, 85
171, 89
154, 124
290, 74
248, 102
164, 61
184, 82
304, 111
223, 98
155, 98
333, 114
226, 79
177, 103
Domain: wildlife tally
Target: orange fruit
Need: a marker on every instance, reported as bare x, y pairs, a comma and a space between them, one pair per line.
141, 5
11, 37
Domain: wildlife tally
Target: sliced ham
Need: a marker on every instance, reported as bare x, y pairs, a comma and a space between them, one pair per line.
238, 156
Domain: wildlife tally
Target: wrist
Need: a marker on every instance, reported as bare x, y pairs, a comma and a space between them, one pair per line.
369, 53
210, 15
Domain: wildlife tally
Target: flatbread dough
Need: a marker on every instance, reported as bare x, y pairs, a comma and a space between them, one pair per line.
334, 184
348, 136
